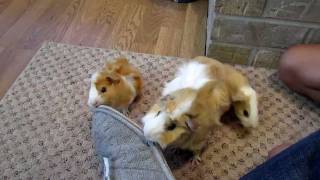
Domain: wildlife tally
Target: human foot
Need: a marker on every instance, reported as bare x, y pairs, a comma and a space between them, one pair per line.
276, 150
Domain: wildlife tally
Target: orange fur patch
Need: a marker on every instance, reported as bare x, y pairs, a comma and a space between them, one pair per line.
112, 83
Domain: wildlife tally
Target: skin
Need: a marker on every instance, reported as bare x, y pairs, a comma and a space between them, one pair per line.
276, 150
299, 69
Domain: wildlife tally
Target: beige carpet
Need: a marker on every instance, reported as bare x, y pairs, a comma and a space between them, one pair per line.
45, 123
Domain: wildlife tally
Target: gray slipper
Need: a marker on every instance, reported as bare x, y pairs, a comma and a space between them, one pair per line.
123, 149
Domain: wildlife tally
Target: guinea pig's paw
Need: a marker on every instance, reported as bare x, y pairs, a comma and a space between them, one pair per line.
196, 160
125, 112
250, 123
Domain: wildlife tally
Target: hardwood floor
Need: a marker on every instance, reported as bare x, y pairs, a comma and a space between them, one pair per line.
149, 26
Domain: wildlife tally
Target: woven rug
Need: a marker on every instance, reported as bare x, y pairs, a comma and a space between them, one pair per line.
45, 122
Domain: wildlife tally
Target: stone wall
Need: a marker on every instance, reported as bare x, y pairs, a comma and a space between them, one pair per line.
256, 32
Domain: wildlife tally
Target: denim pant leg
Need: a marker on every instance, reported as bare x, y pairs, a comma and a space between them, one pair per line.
300, 161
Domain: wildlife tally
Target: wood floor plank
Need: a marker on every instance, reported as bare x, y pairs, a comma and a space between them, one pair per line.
147, 34
172, 35
16, 31
46, 27
89, 23
19, 58
12, 12
109, 16
125, 30
147, 26
174, 14
195, 23
4, 4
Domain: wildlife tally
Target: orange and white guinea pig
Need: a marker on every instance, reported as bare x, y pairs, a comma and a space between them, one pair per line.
117, 85
185, 117
202, 90
198, 72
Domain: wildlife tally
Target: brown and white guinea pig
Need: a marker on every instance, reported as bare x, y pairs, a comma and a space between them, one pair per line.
185, 117
195, 75
159, 121
244, 97
116, 85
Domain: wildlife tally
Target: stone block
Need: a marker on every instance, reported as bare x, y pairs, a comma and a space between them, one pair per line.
313, 13
267, 58
289, 9
229, 54
314, 37
303, 10
256, 33
240, 7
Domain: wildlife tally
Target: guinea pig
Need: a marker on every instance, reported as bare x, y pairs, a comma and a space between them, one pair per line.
160, 117
244, 97
196, 76
117, 85
246, 106
185, 117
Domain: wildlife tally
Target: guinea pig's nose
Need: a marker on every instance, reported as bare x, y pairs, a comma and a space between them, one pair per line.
93, 103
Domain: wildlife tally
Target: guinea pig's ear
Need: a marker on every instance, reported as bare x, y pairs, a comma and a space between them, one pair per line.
112, 79
171, 106
240, 96
135, 76
108, 66
117, 68
191, 123
119, 63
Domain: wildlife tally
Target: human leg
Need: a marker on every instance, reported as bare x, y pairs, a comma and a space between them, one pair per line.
299, 69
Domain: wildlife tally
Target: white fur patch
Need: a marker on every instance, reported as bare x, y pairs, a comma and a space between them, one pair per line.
190, 75
94, 77
94, 97
253, 116
154, 125
182, 108
129, 80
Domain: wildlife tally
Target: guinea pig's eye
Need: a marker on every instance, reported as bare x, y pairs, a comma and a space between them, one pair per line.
103, 89
245, 113
191, 116
158, 113
109, 79
171, 127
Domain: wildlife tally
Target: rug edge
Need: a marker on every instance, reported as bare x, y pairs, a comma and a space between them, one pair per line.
44, 44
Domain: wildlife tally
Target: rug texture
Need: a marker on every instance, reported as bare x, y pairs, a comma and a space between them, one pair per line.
45, 122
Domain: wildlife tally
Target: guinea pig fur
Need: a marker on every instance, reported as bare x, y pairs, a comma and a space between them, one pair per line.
243, 96
185, 118
194, 76
116, 85
160, 117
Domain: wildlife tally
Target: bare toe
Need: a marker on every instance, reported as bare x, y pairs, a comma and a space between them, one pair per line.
276, 150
